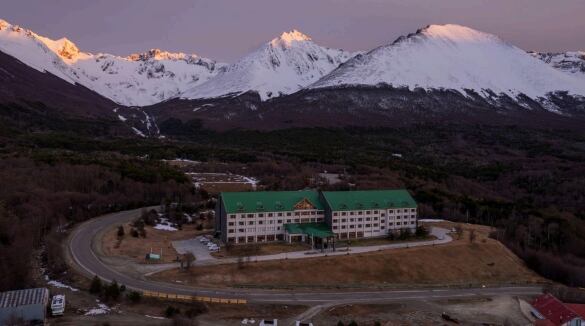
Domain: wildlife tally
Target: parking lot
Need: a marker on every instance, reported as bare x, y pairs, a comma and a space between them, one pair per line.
199, 249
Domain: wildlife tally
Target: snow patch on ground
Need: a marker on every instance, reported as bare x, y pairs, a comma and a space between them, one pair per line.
154, 317
431, 220
165, 225
102, 309
58, 284
138, 132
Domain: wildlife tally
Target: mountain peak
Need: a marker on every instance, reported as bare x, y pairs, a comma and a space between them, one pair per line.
67, 49
456, 33
3, 24
288, 38
158, 54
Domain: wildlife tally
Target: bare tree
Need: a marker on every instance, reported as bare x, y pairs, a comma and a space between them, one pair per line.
472, 236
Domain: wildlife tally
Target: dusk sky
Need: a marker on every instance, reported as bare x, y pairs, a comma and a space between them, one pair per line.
227, 29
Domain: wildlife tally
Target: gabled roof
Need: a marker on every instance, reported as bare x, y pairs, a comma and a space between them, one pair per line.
269, 201
368, 199
578, 308
24, 297
553, 309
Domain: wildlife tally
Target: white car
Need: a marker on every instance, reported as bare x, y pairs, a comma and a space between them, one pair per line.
58, 305
214, 248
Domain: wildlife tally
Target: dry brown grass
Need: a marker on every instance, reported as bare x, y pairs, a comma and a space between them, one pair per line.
260, 249
137, 248
484, 262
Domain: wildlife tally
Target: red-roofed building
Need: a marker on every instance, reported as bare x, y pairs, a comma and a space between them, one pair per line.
552, 311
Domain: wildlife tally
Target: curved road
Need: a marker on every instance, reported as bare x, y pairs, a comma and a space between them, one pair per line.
87, 262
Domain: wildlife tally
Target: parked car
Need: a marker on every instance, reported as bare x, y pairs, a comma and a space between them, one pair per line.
58, 305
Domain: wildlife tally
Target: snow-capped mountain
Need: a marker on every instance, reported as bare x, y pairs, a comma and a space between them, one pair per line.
282, 66
572, 62
136, 80
454, 57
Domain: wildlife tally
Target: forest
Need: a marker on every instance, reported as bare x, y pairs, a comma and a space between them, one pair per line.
528, 184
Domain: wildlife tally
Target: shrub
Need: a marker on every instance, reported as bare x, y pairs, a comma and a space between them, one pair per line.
120, 231
134, 296
96, 285
134, 233
171, 311
112, 291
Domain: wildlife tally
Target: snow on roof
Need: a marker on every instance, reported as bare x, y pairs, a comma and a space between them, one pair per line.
24, 297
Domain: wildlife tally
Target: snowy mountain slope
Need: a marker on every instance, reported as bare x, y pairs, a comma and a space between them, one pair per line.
572, 62
136, 80
454, 57
282, 66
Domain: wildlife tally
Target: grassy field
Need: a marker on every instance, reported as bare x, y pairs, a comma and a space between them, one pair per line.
260, 250
378, 241
484, 261
137, 248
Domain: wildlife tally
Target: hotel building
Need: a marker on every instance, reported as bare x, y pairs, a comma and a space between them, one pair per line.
250, 217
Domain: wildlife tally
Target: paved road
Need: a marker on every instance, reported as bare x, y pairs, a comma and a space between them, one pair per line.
86, 261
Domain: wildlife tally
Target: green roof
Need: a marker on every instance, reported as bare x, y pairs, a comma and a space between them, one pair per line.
267, 201
320, 230
368, 199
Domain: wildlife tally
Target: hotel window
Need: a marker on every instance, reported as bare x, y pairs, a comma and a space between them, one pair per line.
231, 231
343, 220
360, 212
398, 217
412, 223
241, 230
279, 214
232, 215
375, 212
250, 215
343, 226
368, 219
241, 223
343, 213
250, 222
335, 221
375, 225
270, 222
279, 222
297, 214
383, 214
288, 214
335, 214
288, 221
391, 211
352, 226
375, 218
231, 223
368, 225
352, 219
270, 214
335, 227
397, 223
359, 226
390, 223
321, 212
382, 227
360, 219
260, 222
